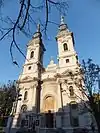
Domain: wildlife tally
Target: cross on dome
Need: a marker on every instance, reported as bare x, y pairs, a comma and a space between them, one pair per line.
62, 19
38, 27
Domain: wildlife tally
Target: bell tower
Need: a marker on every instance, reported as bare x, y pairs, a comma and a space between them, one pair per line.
67, 56
34, 57
29, 79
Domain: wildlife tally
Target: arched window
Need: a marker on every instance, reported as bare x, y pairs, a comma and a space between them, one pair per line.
32, 54
71, 90
25, 95
29, 68
67, 60
24, 108
65, 46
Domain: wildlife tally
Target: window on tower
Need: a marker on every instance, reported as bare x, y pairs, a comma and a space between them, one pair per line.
67, 60
32, 54
71, 90
65, 46
77, 57
25, 95
29, 68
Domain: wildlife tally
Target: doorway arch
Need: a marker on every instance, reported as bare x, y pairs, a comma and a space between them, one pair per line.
48, 109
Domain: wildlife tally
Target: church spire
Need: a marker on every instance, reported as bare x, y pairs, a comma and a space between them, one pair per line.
62, 26
37, 33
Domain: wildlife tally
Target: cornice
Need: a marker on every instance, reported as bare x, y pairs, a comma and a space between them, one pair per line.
49, 79
69, 66
66, 73
28, 64
27, 80
61, 34
68, 55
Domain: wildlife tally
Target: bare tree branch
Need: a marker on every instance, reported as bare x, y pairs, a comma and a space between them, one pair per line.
6, 34
26, 15
26, 18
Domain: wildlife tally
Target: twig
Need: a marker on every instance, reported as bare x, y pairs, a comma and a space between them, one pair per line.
46, 21
27, 10
6, 34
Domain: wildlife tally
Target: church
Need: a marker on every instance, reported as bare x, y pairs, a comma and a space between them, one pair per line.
52, 97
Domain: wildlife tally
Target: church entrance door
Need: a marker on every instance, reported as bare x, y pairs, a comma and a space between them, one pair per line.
49, 117
49, 103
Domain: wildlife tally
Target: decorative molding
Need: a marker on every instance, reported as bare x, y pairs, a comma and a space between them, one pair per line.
49, 79
27, 78
67, 72
62, 33
30, 63
68, 54
57, 75
26, 81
